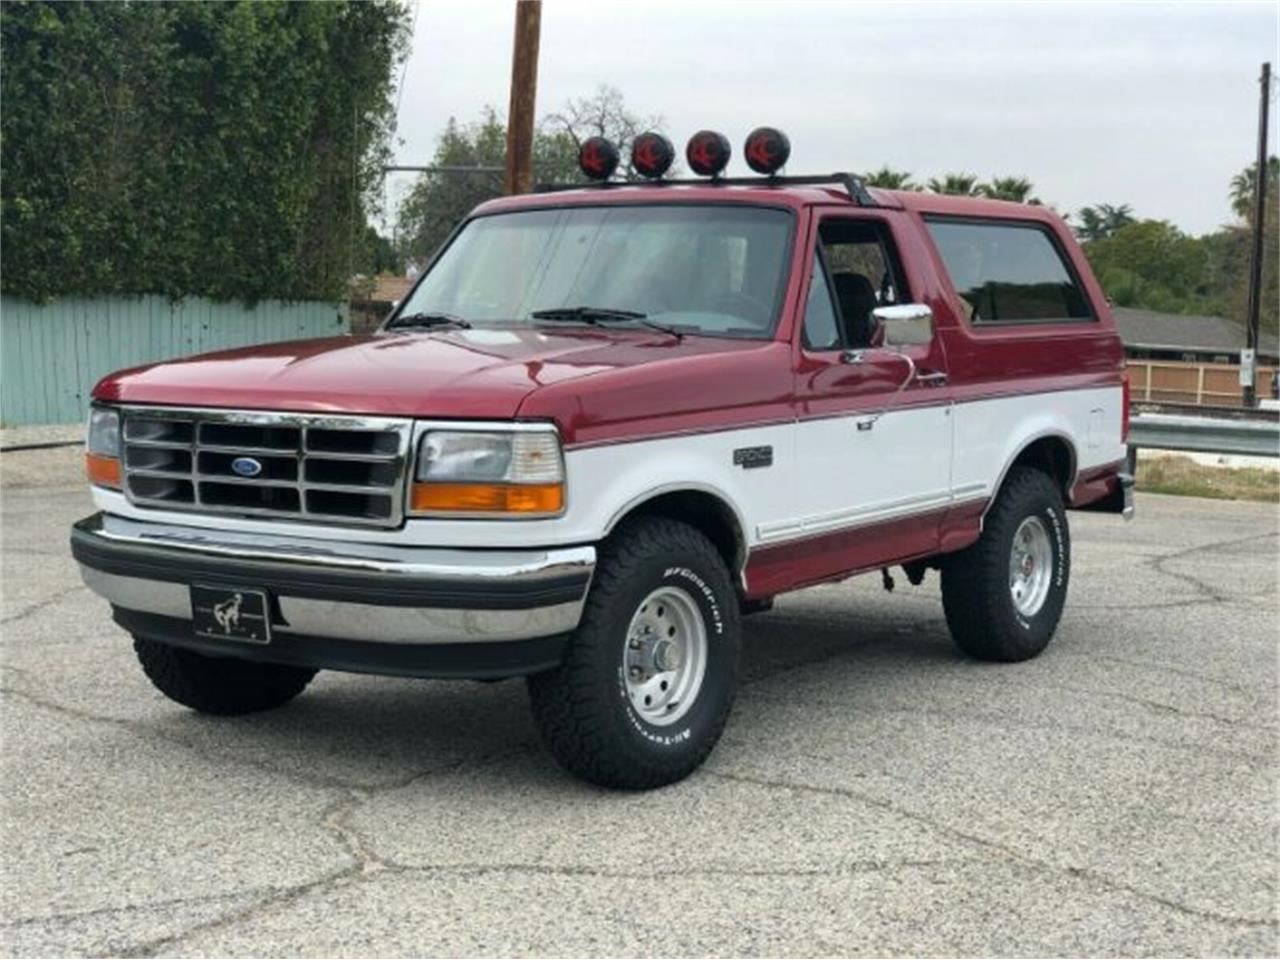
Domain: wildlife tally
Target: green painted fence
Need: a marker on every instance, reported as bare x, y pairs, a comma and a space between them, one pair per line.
51, 355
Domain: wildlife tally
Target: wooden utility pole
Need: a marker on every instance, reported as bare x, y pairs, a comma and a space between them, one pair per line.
1248, 377
524, 95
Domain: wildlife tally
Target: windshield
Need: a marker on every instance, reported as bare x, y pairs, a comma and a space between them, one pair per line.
696, 269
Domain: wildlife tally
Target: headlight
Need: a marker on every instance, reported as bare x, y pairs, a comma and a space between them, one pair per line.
102, 448
489, 472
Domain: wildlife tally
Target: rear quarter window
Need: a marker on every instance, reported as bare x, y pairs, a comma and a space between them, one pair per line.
1009, 272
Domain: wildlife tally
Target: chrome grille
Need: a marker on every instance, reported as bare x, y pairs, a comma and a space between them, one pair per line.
348, 470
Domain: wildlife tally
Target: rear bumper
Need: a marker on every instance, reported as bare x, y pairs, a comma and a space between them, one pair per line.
353, 604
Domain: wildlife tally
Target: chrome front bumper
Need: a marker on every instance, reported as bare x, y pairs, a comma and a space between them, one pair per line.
347, 591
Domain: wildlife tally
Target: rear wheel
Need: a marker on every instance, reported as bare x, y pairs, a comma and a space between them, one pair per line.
1004, 595
650, 674
218, 685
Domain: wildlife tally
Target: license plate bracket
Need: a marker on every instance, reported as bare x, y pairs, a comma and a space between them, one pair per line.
242, 614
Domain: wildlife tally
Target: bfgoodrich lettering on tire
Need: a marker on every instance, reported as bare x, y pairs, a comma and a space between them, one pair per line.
650, 674
1004, 595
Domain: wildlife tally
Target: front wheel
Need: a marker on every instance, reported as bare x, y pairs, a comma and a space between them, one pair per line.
223, 686
1003, 596
650, 674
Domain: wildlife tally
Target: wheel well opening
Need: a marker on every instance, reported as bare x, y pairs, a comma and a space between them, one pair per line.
704, 512
1053, 456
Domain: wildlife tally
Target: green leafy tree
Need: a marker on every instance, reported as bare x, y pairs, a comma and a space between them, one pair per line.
1153, 265
958, 184
440, 199
1015, 189
889, 179
220, 149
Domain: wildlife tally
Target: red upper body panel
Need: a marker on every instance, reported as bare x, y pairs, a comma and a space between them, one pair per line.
598, 384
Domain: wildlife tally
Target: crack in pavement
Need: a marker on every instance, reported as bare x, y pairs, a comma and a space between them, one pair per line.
1005, 851
141, 729
1203, 587
70, 916
284, 896
41, 605
335, 818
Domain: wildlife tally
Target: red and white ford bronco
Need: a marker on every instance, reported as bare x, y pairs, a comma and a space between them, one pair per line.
605, 424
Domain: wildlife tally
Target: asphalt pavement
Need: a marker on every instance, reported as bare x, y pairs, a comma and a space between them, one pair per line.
874, 793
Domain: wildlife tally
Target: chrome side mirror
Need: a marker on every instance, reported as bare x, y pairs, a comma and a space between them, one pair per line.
902, 325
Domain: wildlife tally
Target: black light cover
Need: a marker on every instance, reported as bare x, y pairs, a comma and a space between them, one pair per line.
598, 158
652, 155
708, 153
767, 150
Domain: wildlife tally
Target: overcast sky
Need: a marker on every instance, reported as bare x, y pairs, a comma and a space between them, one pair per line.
1151, 104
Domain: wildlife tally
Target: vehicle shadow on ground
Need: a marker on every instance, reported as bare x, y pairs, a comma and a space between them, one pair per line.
374, 732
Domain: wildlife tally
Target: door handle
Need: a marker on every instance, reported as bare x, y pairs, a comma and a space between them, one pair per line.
935, 377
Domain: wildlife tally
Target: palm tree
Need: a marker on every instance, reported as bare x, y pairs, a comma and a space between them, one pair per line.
1100, 222
1115, 217
1242, 187
889, 179
959, 184
1092, 226
1016, 189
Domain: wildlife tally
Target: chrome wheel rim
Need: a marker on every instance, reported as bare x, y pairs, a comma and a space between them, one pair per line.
1030, 566
664, 656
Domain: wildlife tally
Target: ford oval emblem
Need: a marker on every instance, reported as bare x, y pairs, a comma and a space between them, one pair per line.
246, 466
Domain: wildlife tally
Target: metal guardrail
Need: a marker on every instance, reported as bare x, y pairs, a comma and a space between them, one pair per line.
1157, 431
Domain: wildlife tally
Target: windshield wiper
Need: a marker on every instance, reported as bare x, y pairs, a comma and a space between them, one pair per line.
429, 320
598, 315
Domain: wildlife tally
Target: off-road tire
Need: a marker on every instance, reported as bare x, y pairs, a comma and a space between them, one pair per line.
582, 707
219, 685
984, 620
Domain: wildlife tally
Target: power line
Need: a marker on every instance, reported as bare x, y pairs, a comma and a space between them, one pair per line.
404, 69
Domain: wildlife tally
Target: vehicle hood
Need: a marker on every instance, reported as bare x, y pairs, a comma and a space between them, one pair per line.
479, 373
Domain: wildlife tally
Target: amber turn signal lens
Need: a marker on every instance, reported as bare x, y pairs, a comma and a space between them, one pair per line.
488, 497
102, 471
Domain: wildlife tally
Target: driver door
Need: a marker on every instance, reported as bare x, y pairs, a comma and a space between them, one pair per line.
874, 424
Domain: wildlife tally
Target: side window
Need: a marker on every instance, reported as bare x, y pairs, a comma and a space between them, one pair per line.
862, 274
821, 331
1008, 273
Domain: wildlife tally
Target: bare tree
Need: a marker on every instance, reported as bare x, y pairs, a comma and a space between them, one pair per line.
603, 114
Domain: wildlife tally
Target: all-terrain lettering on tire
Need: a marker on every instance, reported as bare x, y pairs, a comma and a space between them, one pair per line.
650, 674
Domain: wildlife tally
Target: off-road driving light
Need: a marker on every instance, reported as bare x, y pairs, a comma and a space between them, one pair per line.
102, 448
708, 153
652, 155
767, 150
597, 158
489, 472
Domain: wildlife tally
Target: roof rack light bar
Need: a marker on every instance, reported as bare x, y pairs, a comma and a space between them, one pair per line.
857, 190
